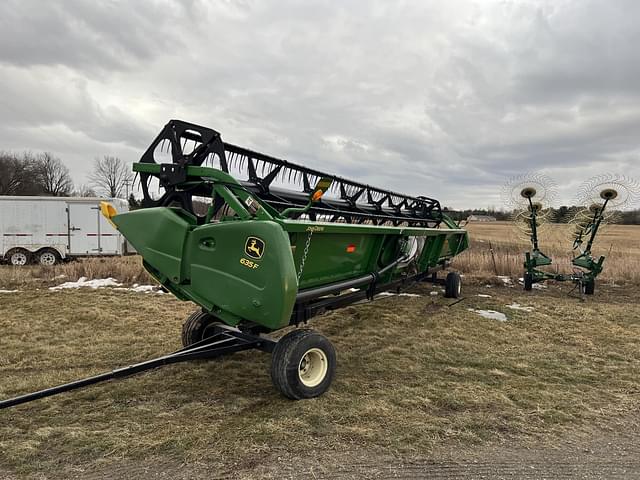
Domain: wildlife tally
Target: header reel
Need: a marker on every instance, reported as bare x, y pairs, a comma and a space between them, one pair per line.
280, 184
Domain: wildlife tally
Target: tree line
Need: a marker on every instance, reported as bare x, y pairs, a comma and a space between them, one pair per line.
563, 214
45, 174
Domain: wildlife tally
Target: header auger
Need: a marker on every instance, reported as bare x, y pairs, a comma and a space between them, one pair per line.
275, 245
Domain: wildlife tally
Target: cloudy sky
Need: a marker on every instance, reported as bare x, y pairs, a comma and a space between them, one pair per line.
441, 98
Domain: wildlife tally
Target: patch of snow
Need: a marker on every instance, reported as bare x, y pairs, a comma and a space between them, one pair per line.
8, 291
143, 288
60, 276
517, 306
484, 295
506, 280
83, 282
488, 286
490, 314
108, 282
391, 294
434, 294
535, 285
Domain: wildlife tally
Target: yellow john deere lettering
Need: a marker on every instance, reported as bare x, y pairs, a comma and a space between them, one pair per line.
249, 263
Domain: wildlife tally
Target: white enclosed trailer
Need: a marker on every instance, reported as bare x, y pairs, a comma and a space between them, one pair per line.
47, 230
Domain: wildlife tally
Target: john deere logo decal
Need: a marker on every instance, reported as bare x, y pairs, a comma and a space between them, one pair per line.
254, 247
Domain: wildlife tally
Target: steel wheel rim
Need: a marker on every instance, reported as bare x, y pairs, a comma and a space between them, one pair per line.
313, 367
19, 259
47, 258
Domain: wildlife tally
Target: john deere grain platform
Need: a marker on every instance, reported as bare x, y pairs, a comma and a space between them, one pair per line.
259, 244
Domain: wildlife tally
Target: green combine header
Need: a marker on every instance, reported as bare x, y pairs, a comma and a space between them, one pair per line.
260, 244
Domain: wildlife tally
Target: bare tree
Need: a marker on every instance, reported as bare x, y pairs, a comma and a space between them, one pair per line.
111, 176
53, 175
19, 174
84, 191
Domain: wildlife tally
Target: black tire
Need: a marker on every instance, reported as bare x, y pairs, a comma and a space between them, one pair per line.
528, 282
18, 257
198, 326
303, 364
48, 257
453, 285
590, 287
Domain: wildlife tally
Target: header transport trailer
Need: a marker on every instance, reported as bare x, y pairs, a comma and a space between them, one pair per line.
277, 244
47, 230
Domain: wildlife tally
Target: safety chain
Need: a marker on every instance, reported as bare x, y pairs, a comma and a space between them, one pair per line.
304, 254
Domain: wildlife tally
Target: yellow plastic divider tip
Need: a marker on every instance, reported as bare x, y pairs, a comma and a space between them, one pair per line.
108, 211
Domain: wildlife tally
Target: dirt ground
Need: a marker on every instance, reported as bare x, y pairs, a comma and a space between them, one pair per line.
426, 388
610, 451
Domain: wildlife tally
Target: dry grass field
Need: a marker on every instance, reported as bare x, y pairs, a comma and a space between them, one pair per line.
419, 379
620, 244
127, 270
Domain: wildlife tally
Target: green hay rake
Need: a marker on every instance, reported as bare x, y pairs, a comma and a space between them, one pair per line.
260, 244
531, 195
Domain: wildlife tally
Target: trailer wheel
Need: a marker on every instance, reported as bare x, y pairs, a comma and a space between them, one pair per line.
590, 287
453, 285
303, 364
528, 282
198, 326
48, 257
18, 257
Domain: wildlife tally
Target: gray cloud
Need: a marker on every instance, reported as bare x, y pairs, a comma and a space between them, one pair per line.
94, 37
446, 100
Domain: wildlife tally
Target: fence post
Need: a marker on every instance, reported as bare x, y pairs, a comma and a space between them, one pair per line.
493, 258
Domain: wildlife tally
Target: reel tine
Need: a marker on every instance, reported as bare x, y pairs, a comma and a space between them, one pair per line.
620, 191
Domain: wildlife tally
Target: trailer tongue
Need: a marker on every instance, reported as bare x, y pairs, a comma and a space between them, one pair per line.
259, 244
